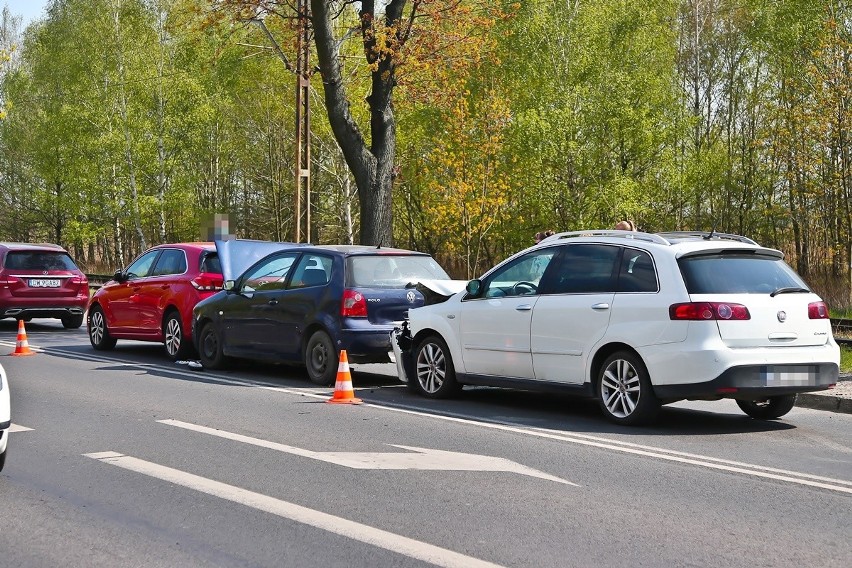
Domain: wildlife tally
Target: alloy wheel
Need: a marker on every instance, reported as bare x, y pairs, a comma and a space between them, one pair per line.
620, 388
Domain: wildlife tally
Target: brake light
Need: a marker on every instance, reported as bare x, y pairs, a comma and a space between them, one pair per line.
354, 305
8, 280
207, 282
817, 311
80, 280
708, 311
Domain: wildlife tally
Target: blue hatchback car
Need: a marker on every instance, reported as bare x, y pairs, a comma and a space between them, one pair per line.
304, 303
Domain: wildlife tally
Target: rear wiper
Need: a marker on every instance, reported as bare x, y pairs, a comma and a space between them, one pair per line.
791, 290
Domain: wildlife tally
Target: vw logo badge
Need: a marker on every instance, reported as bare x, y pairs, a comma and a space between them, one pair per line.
782, 316
410, 297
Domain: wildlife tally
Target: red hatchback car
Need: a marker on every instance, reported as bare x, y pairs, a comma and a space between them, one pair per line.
41, 281
152, 299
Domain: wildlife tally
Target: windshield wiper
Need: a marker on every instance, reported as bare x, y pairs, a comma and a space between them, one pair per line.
791, 290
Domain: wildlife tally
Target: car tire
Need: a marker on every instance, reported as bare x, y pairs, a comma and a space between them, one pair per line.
321, 359
98, 333
210, 349
434, 372
624, 390
768, 408
174, 340
72, 322
3, 455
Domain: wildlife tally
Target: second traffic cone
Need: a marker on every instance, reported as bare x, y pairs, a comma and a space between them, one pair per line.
343, 392
22, 346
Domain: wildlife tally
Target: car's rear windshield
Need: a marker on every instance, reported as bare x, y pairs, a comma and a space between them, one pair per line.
210, 263
37, 260
737, 274
391, 271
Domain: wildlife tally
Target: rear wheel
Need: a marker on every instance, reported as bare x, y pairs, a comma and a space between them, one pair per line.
624, 390
768, 408
321, 359
72, 322
434, 372
210, 347
3, 456
176, 345
98, 332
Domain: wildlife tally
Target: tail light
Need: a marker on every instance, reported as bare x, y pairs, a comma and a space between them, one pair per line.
708, 311
817, 311
8, 280
80, 280
354, 305
207, 282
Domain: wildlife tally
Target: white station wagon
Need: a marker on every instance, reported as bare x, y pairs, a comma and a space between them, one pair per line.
632, 319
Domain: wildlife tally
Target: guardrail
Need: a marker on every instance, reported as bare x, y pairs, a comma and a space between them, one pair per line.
98, 280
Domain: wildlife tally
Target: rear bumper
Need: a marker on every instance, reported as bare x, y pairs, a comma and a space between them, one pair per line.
19, 312
750, 382
367, 345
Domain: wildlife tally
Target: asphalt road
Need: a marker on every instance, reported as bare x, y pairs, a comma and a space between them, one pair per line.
125, 459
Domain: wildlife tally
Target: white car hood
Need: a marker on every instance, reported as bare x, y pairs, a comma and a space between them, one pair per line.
437, 291
237, 255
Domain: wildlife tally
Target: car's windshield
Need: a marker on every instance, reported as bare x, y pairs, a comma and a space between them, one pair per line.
737, 274
392, 271
36, 260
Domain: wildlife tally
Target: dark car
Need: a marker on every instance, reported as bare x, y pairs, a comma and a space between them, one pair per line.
41, 281
152, 299
303, 304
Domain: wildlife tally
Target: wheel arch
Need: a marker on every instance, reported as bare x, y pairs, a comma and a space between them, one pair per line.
605, 351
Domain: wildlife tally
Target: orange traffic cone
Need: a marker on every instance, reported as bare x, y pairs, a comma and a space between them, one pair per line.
343, 392
22, 347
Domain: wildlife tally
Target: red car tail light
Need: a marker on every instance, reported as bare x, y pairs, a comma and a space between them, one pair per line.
8, 280
708, 311
354, 305
207, 282
80, 280
817, 311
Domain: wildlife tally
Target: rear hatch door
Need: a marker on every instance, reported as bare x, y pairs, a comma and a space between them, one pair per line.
39, 274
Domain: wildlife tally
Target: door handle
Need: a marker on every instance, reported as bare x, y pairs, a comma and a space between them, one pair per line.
272, 302
524, 308
600, 307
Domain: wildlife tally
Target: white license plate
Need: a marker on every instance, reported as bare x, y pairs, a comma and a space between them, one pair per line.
44, 283
791, 375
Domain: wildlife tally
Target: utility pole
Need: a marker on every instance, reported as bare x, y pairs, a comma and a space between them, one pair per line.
303, 124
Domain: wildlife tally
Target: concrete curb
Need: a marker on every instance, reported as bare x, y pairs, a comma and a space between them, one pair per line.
824, 402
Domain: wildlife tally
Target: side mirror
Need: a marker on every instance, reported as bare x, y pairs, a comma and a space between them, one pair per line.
119, 276
229, 285
474, 287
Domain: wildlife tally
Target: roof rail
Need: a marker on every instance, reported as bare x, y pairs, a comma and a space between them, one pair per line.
637, 235
707, 235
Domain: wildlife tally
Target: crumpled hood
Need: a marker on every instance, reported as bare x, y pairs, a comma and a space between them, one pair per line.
237, 255
437, 291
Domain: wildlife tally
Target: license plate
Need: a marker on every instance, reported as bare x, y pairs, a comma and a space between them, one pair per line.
790, 375
44, 283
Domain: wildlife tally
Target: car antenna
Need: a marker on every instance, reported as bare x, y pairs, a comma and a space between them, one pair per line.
710, 234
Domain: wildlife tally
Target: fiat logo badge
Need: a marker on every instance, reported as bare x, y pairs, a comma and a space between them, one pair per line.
410, 297
782, 316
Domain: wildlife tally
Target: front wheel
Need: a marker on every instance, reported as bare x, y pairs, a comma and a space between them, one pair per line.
768, 408
624, 390
175, 341
211, 352
434, 372
321, 359
98, 333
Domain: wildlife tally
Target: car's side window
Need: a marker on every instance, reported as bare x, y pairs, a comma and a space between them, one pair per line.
312, 270
171, 261
270, 274
142, 265
583, 269
637, 273
520, 277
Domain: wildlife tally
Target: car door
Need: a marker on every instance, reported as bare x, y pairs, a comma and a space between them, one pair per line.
573, 312
123, 297
153, 290
495, 326
249, 319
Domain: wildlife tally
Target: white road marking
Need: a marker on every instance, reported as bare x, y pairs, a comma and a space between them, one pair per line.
422, 459
337, 525
582, 439
19, 428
